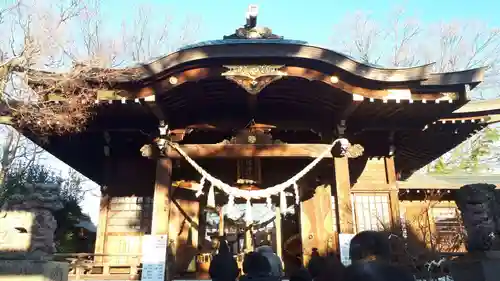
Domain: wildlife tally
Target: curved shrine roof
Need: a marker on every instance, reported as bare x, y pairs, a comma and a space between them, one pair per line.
297, 52
201, 91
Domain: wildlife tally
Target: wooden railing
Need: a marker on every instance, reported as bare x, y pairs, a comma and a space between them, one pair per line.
84, 267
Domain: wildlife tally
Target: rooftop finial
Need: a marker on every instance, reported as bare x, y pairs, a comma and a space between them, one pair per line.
251, 15
250, 29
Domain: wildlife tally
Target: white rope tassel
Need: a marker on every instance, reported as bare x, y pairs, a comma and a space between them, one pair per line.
200, 187
269, 203
296, 191
248, 212
283, 202
211, 197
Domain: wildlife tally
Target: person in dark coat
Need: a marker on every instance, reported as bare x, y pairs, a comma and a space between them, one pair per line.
328, 268
334, 269
223, 266
376, 270
273, 259
256, 268
301, 274
316, 264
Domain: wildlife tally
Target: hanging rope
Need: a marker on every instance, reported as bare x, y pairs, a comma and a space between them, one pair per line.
251, 194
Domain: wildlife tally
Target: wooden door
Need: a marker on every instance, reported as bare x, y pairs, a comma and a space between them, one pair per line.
316, 222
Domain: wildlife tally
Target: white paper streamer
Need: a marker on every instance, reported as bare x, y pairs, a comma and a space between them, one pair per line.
248, 211
269, 203
200, 187
230, 204
296, 191
211, 197
283, 202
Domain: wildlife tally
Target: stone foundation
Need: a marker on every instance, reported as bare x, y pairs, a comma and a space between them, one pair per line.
26, 270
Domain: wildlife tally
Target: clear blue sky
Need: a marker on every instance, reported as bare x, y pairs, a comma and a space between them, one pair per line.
311, 20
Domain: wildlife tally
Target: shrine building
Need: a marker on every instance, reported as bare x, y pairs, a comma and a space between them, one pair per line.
319, 139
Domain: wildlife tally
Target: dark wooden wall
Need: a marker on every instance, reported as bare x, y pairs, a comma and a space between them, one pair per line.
126, 207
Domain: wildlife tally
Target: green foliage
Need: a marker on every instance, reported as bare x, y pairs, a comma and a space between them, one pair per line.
67, 218
474, 155
71, 194
17, 178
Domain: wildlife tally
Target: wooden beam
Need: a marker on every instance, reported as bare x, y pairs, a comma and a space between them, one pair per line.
308, 150
150, 102
351, 108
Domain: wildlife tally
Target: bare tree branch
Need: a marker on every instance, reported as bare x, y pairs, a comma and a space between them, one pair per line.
403, 42
69, 35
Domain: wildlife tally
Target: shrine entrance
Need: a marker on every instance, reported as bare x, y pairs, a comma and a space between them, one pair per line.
293, 215
270, 227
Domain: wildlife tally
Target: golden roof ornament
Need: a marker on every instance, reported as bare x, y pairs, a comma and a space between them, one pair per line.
253, 78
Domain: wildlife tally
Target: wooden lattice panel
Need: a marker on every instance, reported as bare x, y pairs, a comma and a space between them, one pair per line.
372, 211
129, 215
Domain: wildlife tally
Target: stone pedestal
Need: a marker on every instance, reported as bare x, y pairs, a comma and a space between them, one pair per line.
477, 267
26, 270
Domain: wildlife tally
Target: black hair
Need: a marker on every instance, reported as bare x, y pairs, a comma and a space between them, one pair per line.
255, 263
370, 243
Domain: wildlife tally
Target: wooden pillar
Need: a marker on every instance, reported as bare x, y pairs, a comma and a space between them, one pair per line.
248, 238
101, 235
221, 222
316, 222
343, 185
161, 204
277, 227
161, 201
100, 241
394, 191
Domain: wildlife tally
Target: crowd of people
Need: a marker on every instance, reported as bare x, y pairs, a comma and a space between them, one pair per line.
369, 252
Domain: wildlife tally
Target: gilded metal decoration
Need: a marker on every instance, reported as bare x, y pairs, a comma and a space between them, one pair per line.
150, 151
348, 149
355, 151
253, 78
449, 96
252, 139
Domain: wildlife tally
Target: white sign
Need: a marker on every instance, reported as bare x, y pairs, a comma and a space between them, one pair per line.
345, 243
154, 257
